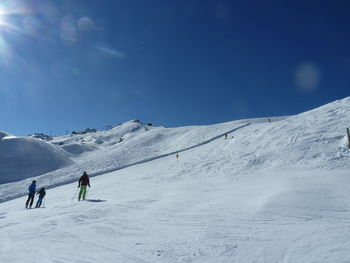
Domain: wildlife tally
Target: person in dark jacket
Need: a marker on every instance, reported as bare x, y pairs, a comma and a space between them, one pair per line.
84, 182
31, 194
41, 194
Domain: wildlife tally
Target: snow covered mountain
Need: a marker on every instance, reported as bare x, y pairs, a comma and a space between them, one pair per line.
273, 191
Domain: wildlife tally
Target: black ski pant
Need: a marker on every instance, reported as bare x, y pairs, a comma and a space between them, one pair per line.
30, 199
39, 202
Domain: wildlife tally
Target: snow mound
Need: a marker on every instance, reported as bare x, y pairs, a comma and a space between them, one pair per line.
128, 129
3, 134
75, 148
27, 157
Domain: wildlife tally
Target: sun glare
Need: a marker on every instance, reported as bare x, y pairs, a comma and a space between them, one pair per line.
2, 15
5, 25
11, 15
4, 48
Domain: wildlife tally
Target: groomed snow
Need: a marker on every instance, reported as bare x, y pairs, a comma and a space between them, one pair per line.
272, 192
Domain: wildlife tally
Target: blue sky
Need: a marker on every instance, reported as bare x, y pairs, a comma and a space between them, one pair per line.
69, 65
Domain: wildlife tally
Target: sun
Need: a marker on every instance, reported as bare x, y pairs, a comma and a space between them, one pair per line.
2, 15
8, 10
8, 29
5, 25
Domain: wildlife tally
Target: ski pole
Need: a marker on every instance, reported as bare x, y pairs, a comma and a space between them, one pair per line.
75, 194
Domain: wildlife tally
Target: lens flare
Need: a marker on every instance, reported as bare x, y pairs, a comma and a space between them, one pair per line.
307, 77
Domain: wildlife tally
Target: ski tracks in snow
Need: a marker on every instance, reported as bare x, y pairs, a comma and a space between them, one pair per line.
2, 215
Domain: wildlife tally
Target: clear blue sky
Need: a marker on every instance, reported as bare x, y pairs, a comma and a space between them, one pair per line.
68, 65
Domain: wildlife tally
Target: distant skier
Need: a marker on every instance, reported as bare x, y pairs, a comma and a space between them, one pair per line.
41, 194
225, 136
31, 194
83, 183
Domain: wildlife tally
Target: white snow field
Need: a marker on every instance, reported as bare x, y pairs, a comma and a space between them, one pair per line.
274, 191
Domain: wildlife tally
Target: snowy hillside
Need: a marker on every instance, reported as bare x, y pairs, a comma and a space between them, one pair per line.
315, 139
27, 157
271, 192
103, 152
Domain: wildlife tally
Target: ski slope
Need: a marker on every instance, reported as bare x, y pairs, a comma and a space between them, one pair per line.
140, 144
272, 192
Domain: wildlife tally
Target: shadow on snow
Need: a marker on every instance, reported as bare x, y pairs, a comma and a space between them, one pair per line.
96, 200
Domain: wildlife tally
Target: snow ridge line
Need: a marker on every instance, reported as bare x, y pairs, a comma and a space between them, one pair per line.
72, 180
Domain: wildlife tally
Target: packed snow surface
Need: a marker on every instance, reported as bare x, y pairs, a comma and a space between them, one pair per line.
271, 192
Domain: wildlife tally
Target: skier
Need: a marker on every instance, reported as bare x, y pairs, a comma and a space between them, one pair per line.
31, 194
225, 136
83, 183
41, 194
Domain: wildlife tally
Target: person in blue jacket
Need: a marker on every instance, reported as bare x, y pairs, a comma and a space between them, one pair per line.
31, 194
41, 194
